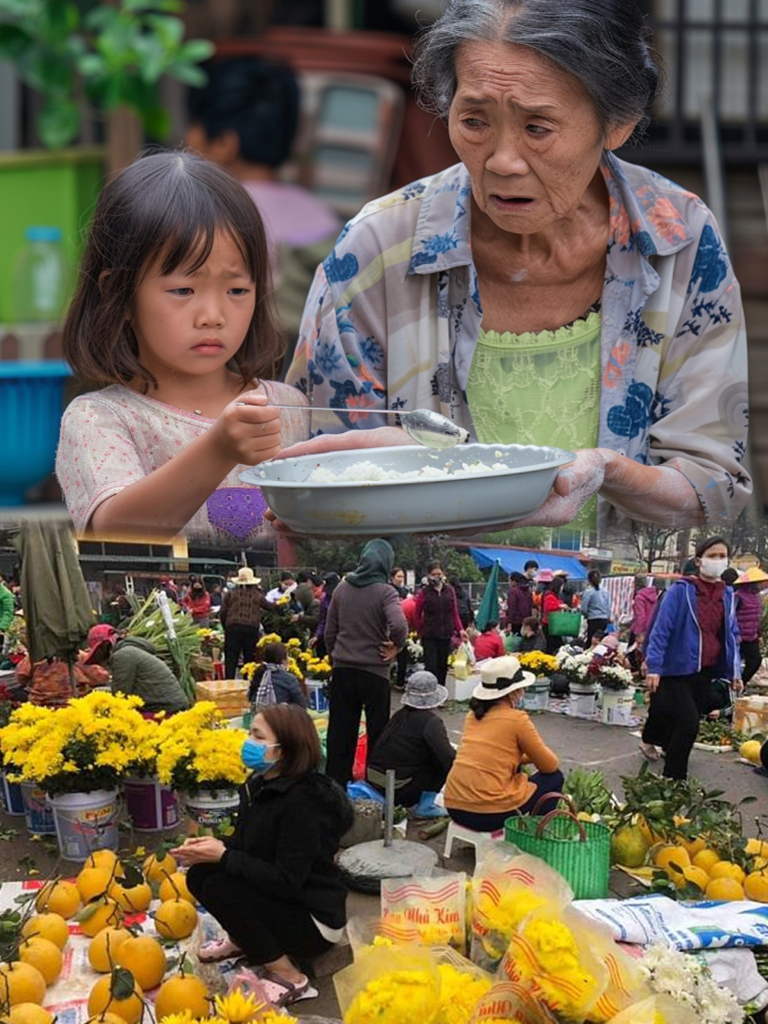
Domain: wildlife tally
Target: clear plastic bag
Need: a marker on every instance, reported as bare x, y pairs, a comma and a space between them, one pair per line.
656, 1010
397, 985
427, 911
508, 1003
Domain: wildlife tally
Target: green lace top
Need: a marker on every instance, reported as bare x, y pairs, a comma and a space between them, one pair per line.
540, 389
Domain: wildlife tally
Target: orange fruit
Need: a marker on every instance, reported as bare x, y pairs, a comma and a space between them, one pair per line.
756, 886
47, 926
44, 955
668, 855
21, 983
692, 874
694, 846
155, 870
144, 957
106, 1018
175, 887
724, 889
175, 919
756, 848
58, 898
133, 900
101, 913
182, 993
103, 946
706, 858
101, 1000
92, 882
727, 869
29, 1013
106, 859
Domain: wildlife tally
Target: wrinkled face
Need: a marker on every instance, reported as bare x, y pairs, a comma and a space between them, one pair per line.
527, 132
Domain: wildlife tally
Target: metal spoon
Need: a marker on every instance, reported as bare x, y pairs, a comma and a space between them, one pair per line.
431, 429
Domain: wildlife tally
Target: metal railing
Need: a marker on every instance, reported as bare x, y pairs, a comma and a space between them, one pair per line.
715, 52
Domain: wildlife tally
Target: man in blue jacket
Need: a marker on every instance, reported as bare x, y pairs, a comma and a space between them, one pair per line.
694, 639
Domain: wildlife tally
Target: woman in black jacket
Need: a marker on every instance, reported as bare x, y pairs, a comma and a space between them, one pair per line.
274, 885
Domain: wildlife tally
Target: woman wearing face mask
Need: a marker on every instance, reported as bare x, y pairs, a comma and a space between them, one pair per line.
436, 613
273, 885
693, 640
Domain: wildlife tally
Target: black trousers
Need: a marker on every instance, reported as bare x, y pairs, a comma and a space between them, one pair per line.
492, 821
402, 665
595, 625
673, 718
436, 657
264, 928
350, 691
750, 652
426, 780
239, 640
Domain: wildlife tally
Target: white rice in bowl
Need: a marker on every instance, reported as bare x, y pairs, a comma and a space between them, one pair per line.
370, 472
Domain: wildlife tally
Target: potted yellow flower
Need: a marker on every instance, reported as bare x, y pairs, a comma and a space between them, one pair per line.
536, 697
199, 758
79, 755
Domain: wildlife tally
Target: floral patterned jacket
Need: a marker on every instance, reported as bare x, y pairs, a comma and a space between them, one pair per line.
394, 313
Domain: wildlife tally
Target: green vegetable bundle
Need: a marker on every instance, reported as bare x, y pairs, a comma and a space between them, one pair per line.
148, 623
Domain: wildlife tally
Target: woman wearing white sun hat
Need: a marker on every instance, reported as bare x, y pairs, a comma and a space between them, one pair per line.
486, 786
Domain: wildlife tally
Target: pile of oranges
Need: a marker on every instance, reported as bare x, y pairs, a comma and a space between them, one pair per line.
99, 900
717, 878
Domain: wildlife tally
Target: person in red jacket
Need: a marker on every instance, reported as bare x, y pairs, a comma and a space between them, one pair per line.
198, 604
489, 643
437, 619
551, 602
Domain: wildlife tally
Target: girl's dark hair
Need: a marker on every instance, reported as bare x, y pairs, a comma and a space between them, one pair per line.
331, 581
594, 578
709, 542
491, 624
164, 210
480, 708
532, 623
275, 653
297, 736
396, 569
602, 43
434, 565
557, 584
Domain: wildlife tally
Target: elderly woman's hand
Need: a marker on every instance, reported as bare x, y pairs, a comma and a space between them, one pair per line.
378, 437
574, 485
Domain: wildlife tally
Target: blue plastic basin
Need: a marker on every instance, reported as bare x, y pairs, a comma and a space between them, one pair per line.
31, 399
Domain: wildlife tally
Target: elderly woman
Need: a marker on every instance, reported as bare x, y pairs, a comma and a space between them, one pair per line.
542, 290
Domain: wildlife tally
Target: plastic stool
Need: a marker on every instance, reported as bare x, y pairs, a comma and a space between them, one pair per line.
467, 835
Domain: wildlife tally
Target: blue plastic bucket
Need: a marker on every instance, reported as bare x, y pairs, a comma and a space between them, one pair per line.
31, 401
37, 810
10, 793
86, 822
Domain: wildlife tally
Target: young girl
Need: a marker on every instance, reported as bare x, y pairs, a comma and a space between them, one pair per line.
174, 313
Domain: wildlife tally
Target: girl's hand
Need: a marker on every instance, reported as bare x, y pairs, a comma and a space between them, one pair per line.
200, 850
248, 431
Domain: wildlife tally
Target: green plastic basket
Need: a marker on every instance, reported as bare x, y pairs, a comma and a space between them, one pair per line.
579, 850
564, 623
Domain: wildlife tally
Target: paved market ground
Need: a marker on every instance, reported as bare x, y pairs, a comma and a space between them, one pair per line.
579, 743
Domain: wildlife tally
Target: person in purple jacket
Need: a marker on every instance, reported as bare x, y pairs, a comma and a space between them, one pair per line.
643, 607
520, 595
749, 612
694, 639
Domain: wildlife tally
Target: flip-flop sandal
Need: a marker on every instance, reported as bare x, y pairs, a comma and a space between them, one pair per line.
283, 993
649, 752
217, 950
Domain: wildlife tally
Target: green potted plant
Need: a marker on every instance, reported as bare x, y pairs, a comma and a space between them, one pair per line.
106, 59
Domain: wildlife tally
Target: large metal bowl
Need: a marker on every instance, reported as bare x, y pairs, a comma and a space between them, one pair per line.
410, 506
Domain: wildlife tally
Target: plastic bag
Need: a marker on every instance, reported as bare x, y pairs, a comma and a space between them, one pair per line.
399, 985
506, 887
427, 911
627, 982
656, 1010
463, 661
508, 1003
462, 986
551, 955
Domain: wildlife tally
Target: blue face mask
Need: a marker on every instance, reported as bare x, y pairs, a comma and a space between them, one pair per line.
254, 755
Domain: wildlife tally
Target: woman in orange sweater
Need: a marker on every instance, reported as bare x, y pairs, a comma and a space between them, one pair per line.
486, 786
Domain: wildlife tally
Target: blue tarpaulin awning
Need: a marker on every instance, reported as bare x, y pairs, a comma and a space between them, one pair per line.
513, 561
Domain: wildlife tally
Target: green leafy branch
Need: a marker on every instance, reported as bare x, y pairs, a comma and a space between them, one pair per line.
111, 56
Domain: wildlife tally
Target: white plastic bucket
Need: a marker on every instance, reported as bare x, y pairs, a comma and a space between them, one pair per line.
151, 806
37, 810
617, 706
582, 701
536, 697
86, 822
13, 801
210, 810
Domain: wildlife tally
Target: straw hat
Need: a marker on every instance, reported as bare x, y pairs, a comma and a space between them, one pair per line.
752, 575
422, 690
245, 578
500, 676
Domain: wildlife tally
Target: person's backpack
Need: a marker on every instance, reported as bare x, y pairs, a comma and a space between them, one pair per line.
265, 692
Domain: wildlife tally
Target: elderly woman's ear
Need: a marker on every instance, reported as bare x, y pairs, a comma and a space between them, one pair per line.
617, 137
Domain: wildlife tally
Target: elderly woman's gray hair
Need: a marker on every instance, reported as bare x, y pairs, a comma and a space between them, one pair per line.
602, 43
